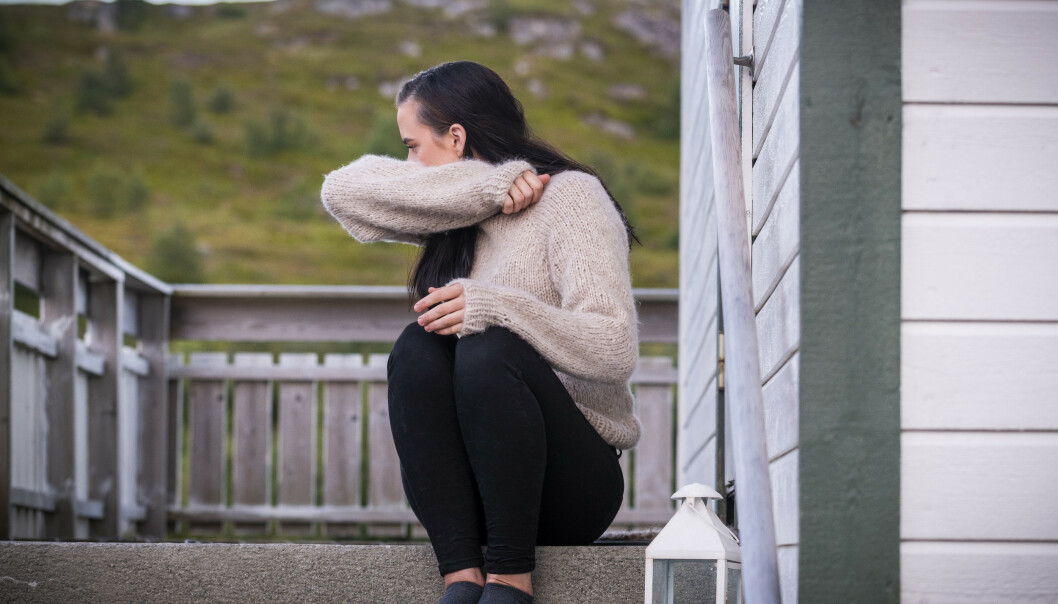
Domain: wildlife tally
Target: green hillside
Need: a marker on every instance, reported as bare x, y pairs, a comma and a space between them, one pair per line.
192, 141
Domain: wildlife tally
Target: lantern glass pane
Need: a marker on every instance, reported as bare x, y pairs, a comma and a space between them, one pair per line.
734, 586
684, 581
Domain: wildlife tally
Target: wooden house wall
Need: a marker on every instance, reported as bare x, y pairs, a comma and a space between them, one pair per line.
979, 335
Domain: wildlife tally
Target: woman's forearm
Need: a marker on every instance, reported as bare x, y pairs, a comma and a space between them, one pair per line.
381, 198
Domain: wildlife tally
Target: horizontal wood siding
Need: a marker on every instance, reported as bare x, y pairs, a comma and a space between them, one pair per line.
979, 342
696, 438
776, 208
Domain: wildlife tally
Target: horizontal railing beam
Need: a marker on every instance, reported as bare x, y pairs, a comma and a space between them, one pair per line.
316, 313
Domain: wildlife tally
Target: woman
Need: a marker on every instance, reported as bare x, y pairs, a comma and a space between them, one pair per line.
508, 398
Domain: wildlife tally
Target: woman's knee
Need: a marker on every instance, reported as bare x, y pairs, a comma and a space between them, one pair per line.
490, 351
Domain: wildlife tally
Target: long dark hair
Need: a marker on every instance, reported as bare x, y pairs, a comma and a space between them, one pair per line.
470, 94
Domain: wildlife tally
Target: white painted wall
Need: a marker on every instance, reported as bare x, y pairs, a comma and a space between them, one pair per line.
979, 338
776, 205
770, 128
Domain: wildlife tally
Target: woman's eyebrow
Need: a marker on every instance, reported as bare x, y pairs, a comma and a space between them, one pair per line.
408, 140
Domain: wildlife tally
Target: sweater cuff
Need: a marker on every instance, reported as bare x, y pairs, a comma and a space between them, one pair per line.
498, 184
479, 311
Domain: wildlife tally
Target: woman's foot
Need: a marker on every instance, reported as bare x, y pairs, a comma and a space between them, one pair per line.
461, 592
499, 593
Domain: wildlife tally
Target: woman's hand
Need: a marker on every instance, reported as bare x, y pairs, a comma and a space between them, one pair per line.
525, 191
446, 318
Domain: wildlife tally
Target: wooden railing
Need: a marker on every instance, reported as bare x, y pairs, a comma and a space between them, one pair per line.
332, 467
93, 440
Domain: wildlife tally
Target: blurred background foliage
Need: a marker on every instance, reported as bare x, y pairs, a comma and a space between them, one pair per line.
193, 141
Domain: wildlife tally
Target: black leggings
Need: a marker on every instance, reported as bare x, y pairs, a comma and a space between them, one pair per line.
494, 452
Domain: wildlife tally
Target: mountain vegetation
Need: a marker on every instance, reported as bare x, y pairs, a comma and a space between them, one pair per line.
193, 140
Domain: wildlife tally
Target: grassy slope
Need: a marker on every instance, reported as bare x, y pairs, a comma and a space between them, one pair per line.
258, 219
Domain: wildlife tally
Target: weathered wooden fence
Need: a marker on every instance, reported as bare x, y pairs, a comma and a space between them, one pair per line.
93, 437
82, 382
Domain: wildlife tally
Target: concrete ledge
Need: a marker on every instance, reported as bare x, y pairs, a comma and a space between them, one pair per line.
38, 571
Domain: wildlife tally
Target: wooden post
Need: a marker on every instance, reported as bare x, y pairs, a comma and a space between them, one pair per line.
297, 441
175, 450
208, 423
154, 409
742, 362
385, 490
7, 306
342, 443
105, 301
252, 441
59, 319
653, 486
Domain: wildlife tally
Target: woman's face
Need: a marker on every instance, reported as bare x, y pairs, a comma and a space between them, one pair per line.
424, 145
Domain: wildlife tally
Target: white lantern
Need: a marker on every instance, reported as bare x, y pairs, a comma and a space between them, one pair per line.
695, 558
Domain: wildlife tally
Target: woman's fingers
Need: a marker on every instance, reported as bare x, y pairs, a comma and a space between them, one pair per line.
438, 294
526, 190
448, 324
440, 311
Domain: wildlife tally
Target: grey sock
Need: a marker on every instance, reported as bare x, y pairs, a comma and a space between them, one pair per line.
461, 592
498, 593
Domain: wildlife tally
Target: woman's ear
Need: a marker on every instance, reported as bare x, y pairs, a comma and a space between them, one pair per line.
458, 139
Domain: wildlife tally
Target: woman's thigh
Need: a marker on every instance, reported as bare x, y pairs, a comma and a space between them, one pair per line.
583, 485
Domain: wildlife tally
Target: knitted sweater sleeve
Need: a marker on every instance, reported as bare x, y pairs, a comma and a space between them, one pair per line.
378, 198
593, 334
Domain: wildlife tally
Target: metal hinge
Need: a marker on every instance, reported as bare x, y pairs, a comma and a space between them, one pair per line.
720, 362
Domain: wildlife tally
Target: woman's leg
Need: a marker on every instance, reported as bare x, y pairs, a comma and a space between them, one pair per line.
544, 474
437, 476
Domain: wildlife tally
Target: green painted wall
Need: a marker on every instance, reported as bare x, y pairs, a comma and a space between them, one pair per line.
850, 302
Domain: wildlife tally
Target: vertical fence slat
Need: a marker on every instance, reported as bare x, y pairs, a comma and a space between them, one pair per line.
128, 447
27, 440
7, 305
104, 336
385, 490
653, 488
82, 453
59, 318
174, 459
207, 419
342, 446
154, 442
252, 441
297, 441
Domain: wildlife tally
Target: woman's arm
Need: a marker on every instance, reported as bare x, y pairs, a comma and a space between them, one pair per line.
377, 198
594, 334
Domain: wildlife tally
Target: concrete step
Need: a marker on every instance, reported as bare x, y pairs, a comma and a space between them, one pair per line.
44, 571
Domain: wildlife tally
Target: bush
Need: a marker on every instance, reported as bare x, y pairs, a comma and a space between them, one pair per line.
385, 137
222, 100
130, 14
54, 191
93, 94
57, 130
105, 190
136, 193
284, 131
202, 133
8, 78
174, 258
116, 78
299, 202
181, 104
666, 122
499, 14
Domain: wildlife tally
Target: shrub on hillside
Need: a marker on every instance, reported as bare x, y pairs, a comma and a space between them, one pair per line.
104, 190
202, 133
8, 78
93, 94
499, 14
283, 131
54, 190
135, 193
116, 78
174, 257
384, 138
181, 104
222, 100
57, 130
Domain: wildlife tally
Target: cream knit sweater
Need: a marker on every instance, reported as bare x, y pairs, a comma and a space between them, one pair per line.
555, 273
